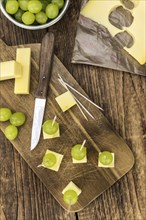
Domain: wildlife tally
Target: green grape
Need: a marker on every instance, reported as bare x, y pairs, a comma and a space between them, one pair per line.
49, 160
5, 114
52, 10
105, 158
44, 4
18, 15
23, 4
12, 7
77, 153
41, 17
17, 119
48, 128
70, 197
11, 132
28, 18
60, 3
34, 6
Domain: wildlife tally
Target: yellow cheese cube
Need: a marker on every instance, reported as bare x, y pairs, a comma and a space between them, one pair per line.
65, 101
84, 160
72, 186
23, 56
59, 158
99, 11
107, 166
10, 70
49, 136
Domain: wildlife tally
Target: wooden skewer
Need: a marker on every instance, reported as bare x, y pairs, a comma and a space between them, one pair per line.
54, 119
80, 93
83, 144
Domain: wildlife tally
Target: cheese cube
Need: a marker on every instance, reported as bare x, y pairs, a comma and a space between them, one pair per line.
23, 56
107, 166
72, 186
49, 136
59, 158
10, 70
84, 160
65, 101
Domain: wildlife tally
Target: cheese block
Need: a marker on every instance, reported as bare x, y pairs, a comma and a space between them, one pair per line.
59, 158
10, 70
49, 136
72, 186
84, 160
65, 101
99, 11
23, 56
107, 166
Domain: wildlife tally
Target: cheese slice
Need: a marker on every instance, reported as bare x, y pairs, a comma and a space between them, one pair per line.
59, 158
10, 70
107, 166
65, 101
84, 160
72, 186
23, 56
49, 136
99, 10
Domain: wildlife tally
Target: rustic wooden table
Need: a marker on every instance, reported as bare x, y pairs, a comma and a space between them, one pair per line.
123, 98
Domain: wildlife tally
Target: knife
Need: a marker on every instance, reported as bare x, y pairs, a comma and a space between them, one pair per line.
45, 65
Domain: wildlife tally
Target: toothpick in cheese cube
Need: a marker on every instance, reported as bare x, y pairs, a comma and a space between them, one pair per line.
66, 101
72, 186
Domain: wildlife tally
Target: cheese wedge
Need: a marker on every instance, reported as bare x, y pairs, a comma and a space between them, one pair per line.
48, 136
84, 160
99, 10
59, 158
23, 56
10, 70
65, 101
107, 166
72, 186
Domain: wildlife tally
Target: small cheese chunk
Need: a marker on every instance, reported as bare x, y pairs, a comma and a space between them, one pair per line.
10, 70
23, 56
59, 158
65, 101
84, 160
72, 186
48, 136
107, 166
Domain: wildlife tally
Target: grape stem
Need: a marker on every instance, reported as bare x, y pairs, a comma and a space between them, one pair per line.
54, 120
83, 145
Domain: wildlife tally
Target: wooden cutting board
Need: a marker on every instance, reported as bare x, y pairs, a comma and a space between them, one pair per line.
74, 129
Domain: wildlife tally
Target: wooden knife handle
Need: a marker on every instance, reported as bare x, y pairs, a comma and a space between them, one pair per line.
46, 60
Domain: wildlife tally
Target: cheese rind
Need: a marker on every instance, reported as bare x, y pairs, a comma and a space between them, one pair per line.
49, 136
84, 160
66, 101
10, 70
59, 158
107, 166
72, 186
23, 56
99, 10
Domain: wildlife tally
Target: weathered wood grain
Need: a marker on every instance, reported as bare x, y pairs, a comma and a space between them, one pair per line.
126, 199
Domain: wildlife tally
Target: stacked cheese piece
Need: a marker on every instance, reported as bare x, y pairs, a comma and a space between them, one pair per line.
18, 70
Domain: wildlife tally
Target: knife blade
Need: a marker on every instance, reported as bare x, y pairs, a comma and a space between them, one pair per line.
45, 66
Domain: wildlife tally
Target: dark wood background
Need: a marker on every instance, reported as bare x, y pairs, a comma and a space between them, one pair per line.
123, 98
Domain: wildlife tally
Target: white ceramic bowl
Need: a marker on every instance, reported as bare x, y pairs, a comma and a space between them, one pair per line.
35, 27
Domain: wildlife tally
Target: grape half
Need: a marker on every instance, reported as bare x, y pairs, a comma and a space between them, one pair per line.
77, 153
105, 158
70, 197
48, 128
12, 7
49, 160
